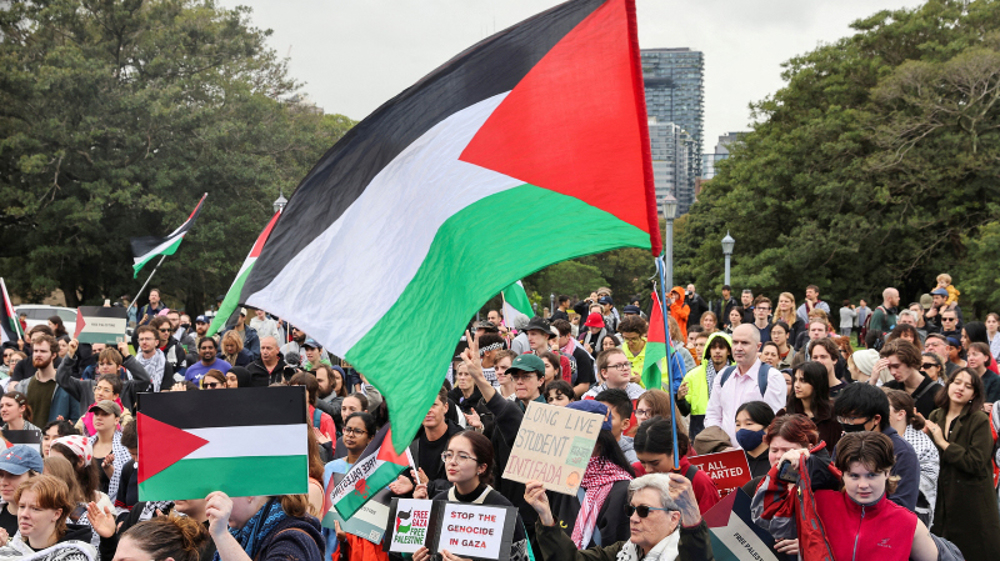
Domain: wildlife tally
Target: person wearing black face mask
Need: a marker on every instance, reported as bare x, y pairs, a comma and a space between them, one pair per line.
863, 407
752, 420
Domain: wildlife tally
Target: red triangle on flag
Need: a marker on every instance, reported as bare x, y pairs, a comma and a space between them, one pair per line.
656, 333
162, 445
387, 453
576, 123
80, 324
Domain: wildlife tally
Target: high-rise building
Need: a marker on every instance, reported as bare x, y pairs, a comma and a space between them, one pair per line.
721, 153
672, 150
675, 93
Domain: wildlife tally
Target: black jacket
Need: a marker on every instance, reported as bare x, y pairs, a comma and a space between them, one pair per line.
611, 520
260, 376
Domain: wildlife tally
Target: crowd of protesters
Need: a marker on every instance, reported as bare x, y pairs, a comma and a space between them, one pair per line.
890, 435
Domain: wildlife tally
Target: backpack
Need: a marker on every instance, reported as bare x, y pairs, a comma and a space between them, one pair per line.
868, 323
317, 417
761, 376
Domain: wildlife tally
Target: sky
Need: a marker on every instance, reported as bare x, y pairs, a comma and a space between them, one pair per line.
353, 55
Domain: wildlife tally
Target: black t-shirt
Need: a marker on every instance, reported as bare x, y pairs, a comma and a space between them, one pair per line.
584, 366
8, 521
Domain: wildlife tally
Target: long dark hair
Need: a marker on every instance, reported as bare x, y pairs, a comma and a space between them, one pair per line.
814, 374
609, 449
483, 449
943, 399
655, 436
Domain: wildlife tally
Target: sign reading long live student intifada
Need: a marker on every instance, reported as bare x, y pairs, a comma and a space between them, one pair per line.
97, 324
553, 446
467, 530
244, 442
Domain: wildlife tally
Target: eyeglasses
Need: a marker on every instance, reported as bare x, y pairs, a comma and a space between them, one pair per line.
949, 319
929, 365
620, 366
354, 431
643, 412
212, 385
643, 510
459, 458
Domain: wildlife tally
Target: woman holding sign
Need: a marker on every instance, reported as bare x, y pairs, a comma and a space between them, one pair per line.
359, 429
469, 464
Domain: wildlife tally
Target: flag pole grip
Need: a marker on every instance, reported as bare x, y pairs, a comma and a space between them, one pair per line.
660, 267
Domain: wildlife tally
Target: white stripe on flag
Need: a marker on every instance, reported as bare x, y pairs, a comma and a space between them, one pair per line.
264, 440
158, 249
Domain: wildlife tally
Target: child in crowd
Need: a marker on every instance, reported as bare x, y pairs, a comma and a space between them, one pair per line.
559, 393
944, 281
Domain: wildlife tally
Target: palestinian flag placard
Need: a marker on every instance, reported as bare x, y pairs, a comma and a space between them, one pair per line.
231, 303
99, 324
377, 467
148, 247
245, 442
10, 326
540, 128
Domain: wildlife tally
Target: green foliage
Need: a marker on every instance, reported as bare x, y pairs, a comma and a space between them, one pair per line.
116, 116
568, 277
874, 166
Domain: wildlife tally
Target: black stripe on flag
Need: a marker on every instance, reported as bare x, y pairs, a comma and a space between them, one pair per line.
144, 245
241, 407
103, 312
492, 66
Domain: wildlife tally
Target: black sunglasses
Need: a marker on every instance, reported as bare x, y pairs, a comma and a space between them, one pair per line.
643, 510
929, 365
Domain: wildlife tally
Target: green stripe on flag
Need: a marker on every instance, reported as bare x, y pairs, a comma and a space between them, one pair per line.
229, 303
366, 489
515, 296
169, 250
524, 248
245, 476
652, 367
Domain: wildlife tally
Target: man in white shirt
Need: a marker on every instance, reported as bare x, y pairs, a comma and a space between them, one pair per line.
743, 383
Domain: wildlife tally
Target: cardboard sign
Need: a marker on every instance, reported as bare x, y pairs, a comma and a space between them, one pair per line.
465, 529
733, 534
728, 470
553, 445
411, 525
30, 437
97, 324
369, 522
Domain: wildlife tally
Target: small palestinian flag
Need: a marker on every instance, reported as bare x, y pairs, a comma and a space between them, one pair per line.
10, 326
515, 302
378, 466
148, 247
657, 348
540, 128
244, 442
231, 303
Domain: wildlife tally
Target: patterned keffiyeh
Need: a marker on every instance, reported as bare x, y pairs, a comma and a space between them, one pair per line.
154, 367
600, 476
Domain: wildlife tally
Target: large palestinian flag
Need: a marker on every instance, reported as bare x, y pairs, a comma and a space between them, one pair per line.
245, 442
148, 247
231, 303
540, 128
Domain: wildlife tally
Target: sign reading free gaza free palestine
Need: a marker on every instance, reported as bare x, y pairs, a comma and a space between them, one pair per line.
553, 445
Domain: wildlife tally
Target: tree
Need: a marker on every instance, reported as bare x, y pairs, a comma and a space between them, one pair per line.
872, 167
116, 117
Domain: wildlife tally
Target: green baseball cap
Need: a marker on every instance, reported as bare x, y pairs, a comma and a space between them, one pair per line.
528, 363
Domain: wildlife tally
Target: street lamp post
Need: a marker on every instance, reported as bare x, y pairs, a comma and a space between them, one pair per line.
280, 202
727, 249
669, 213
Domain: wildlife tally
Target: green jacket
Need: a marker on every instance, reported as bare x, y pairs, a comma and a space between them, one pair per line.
696, 379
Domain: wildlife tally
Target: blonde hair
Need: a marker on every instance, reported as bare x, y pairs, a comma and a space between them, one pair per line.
944, 277
789, 316
235, 337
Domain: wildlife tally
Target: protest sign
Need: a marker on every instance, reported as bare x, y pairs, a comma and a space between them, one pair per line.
471, 530
553, 445
245, 442
31, 437
411, 525
733, 533
467, 530
368, 522
728, 470
97, 324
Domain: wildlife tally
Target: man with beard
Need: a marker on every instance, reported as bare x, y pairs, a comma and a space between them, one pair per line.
208, 350
151, 310
152, 358
295, 345
270, 367
46, 399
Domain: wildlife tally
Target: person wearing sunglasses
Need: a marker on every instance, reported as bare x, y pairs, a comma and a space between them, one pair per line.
905, 364
663, 517
213, 380
469, 463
